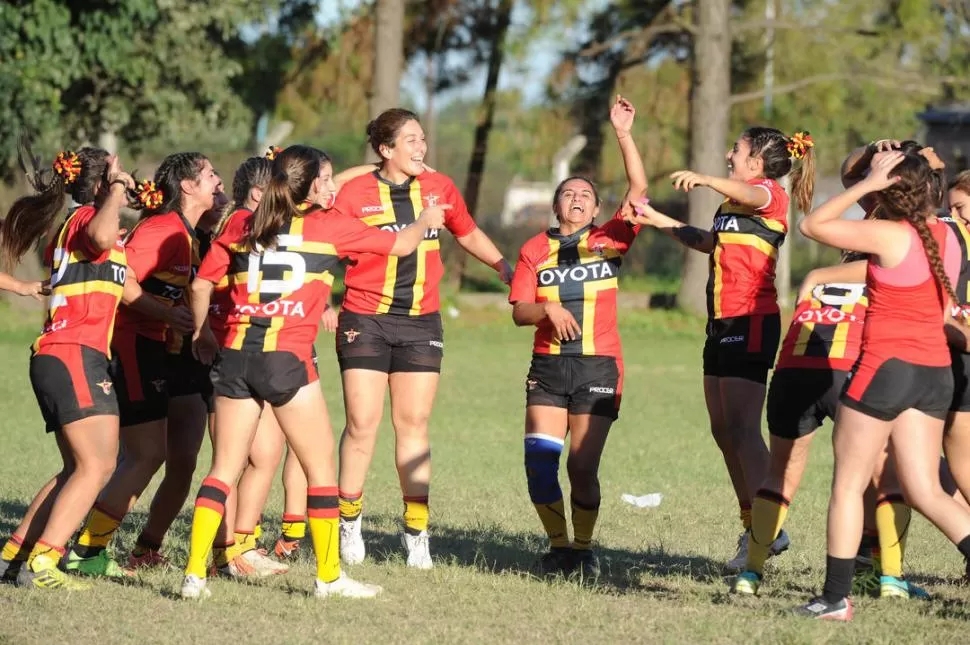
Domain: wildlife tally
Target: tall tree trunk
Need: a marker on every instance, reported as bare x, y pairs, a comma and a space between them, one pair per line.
486, 116
709, 116
385, 90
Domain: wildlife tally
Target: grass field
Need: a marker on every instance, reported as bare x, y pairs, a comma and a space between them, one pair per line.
661, 582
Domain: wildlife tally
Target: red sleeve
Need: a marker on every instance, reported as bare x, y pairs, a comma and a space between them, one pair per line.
777, 206
343, 205
77, 238
457, 219
215, 264
153, 246
350, 235
620, 232
524, 280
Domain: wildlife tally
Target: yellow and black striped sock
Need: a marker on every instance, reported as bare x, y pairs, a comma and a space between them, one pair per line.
416, 513
584, 521
210, 506
15, 549
258, 529
767, 517
97, 532
745, 515
245, 541
323, 516
49, 551
892, 522
294, 527
351, 505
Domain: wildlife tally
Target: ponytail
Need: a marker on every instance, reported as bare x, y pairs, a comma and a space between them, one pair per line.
275, 210
290, 181
779, 154
803, 181
78, 174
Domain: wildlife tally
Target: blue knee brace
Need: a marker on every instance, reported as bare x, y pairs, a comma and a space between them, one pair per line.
542, 454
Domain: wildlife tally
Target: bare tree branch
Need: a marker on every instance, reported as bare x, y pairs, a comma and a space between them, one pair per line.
758, 25
667, 21
932, 85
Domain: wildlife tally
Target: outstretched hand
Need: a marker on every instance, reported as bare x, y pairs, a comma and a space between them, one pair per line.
621, 116
687, 180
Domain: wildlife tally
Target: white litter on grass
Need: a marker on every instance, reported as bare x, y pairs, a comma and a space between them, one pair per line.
643, 501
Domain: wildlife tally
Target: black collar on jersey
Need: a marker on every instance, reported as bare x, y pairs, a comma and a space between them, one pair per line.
185, 223
552, 232
377, 173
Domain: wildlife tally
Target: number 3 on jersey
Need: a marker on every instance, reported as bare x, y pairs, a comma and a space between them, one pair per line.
294, 273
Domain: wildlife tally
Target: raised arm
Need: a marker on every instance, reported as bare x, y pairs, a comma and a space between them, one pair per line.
825, 223
622, 116
102, 230
741, 192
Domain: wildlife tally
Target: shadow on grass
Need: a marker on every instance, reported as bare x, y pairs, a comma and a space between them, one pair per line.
491, 549
487, 548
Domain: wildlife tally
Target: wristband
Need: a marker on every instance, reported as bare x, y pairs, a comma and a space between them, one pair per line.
118, 181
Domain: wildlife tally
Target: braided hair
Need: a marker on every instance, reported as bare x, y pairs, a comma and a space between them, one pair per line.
912, 199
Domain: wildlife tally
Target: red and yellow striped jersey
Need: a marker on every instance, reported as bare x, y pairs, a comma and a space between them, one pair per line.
746, 243
962, 286
407, 286
220, 304
86, 287
579, 271
826, 329
162, 251
277, 297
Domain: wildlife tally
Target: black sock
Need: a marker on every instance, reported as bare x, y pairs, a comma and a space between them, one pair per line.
838, 578
964, 546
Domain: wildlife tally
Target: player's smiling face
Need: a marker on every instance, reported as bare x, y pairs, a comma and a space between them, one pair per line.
960, 205
741, 165
323, 190
202, 190
576, 206
409, 149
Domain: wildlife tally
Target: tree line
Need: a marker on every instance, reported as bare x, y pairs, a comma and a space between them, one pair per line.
150, 76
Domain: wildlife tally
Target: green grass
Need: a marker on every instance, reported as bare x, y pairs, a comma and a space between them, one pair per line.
661, 580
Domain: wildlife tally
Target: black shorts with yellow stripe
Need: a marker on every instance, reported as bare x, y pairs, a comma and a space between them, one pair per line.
390, 343
71, 383
273, 377
742, 347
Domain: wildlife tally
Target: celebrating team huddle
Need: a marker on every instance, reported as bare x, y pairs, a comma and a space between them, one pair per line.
205, 313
